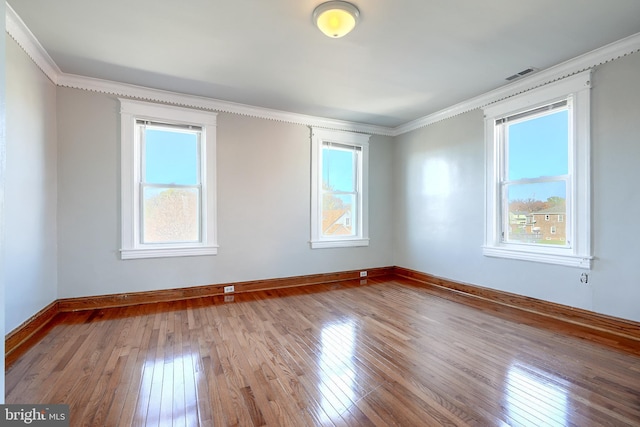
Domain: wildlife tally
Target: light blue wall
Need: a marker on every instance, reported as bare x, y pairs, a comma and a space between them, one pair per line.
439, 194
616, 189
30, 206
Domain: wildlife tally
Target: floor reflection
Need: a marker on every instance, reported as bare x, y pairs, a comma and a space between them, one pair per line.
168, 391
534, 398
337, 375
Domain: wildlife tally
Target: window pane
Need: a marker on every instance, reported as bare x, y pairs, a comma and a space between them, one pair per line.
171, 215
171, 157
535, 212
338, 214
539, 146
338, 169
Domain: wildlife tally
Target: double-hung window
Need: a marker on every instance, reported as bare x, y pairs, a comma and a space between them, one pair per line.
538, 171
339, 200
168, 181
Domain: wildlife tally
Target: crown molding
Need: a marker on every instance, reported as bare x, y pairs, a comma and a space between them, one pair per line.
19, 31
568, 68
200, 102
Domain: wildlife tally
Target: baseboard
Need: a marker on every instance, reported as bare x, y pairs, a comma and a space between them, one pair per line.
21, 335
609, 330
167, 295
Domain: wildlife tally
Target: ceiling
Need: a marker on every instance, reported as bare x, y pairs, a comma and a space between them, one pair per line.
406, 59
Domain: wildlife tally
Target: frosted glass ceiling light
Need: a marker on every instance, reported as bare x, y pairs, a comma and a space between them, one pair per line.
336, 18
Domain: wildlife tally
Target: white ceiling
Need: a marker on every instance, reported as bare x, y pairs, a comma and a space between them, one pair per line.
406, 59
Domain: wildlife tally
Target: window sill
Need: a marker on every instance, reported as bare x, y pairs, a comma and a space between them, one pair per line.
580, 261
324, 244
167, 252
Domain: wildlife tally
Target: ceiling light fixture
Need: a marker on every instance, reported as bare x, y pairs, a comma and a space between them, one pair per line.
336, 18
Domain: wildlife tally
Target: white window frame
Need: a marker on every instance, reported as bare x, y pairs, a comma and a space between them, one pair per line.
318, 138
132, 246
576, 89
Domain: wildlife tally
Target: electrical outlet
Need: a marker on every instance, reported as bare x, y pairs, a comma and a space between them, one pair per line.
229, 298
363, 274
229, 289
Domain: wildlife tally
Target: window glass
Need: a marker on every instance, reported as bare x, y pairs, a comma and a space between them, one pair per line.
171, 215
538, 146
171, 157
525, 218
537, 164
337, 214
338, 169
170, 189
340, 195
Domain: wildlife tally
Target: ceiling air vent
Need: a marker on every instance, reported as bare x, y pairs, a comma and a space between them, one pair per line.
521, 73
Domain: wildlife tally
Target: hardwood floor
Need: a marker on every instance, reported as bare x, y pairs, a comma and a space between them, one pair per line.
388, 352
